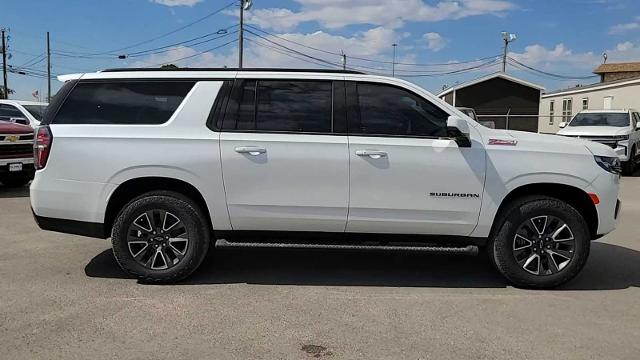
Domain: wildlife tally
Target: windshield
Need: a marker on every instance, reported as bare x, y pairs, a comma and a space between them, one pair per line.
601, 119
36, 110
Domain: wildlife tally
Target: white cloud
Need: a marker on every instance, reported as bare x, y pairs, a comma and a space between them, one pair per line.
390, 13
435, 41
537, 54
563, 60
177, 2
374, 43
625, 46
623, 28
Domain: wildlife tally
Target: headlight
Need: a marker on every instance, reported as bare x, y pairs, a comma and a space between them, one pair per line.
621, 137
609, 164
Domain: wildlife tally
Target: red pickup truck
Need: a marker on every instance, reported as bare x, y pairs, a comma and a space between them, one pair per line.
16, 154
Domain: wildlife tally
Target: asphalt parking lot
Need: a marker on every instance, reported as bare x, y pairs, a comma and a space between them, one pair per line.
64, 297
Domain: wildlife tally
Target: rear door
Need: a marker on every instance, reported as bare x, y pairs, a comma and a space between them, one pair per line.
406, 175
285, 155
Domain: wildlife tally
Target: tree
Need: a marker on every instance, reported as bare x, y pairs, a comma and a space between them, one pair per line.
2, 94
169, 67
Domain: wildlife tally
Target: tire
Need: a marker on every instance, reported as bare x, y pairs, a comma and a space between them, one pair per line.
162, 256
518, 261
15, 181
629, 166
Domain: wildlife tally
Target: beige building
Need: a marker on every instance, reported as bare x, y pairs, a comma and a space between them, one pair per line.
562, 105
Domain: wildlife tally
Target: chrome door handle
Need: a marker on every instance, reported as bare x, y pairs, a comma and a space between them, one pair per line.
251, 150
374, 154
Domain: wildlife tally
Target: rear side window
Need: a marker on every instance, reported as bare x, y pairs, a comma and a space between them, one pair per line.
282, 106
388, 110
139, 102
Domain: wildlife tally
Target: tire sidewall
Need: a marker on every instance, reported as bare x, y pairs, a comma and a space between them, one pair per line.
503, 243
196, 249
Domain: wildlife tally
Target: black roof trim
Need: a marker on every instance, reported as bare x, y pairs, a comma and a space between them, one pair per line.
330, 71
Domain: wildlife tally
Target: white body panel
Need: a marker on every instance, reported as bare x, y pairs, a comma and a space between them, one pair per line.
300, 182
88, 162
392, 194
313, 182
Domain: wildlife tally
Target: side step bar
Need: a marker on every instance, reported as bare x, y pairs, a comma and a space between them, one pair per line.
463, 250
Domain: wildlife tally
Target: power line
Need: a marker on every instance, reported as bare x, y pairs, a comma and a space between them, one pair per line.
172, 47
196, 54
549, 74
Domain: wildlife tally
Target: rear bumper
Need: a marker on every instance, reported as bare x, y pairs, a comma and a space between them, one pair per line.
94, 230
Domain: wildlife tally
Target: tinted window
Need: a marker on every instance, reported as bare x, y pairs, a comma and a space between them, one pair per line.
283, 105
37, 111
9, 111
601, 119
122, 102
387, 110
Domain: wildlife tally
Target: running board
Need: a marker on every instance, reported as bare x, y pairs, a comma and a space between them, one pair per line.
462, 250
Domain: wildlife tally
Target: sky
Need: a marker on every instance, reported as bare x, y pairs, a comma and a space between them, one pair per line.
439, 42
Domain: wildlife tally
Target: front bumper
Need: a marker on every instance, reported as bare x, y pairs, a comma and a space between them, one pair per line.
27, 167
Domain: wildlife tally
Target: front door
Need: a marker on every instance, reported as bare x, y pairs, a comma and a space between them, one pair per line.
283, 165
406, 176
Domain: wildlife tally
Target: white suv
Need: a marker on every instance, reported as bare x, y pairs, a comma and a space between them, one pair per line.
618, 129
168, 162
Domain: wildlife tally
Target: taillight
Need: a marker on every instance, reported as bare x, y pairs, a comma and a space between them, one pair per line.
42, 146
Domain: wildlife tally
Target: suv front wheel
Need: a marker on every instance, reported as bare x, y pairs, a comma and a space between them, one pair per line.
160, 237
542, 243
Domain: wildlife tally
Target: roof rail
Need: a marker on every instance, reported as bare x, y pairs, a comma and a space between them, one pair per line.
331, 71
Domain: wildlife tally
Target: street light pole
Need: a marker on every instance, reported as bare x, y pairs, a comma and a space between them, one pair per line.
48, 69
244, 5
241, 35
393, 64
4, 66
507, 38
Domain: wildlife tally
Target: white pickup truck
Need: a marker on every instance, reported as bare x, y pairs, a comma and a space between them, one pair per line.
618, 129
166, 163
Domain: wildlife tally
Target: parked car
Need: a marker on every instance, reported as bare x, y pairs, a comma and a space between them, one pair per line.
16, 154
175, 160
472, 114
618, 129
22, 112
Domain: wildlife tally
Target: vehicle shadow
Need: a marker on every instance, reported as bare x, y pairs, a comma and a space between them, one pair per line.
609, 267
13, 192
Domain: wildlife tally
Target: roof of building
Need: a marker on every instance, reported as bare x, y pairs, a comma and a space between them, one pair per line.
490, 77
617, 67
597, 86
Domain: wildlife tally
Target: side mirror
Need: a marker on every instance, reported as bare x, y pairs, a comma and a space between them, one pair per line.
454, 122
19, 120
562, 125
458, 130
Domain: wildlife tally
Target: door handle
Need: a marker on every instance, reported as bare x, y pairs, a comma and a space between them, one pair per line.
251, 150
374, 154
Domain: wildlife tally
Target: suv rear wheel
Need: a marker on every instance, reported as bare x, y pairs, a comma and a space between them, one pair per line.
160, 237
542, 243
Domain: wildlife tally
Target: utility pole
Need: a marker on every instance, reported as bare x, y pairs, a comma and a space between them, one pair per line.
48, 69
343, 57
4, 66
244, 5
393, 64
507, 38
